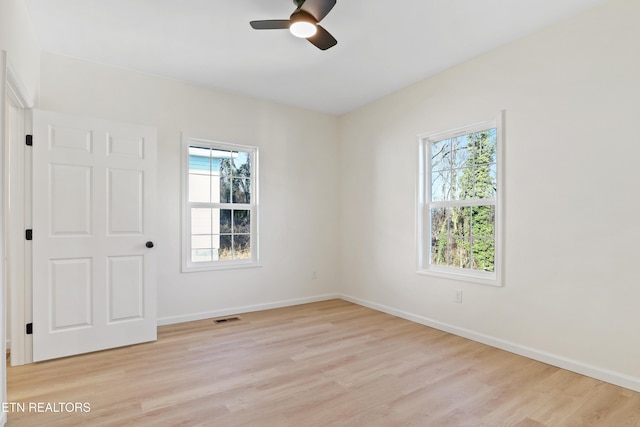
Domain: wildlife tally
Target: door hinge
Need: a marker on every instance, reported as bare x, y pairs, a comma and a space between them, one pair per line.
29, 140
29, 328
28, 234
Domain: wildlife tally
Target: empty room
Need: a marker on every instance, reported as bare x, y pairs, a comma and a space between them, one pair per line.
421, 215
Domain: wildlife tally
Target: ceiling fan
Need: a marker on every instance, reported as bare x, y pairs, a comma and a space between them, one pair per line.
303, 22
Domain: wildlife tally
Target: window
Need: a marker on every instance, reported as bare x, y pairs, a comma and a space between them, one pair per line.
220, 205
459, 203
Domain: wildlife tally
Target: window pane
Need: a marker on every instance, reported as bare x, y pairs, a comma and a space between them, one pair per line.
225, 165
225, 221
483, 254
441, 185
460, 252
439, 223
237, 246
441, 155
461, 221
201, 241
201, 255
483, 221
439, 250
485, 177
485, 142
199, 160
241, 190
241, 221
242, 164
214, 185
462, 157
226, 247
242, 246
201, 220
463, 181
199, 188
225, 190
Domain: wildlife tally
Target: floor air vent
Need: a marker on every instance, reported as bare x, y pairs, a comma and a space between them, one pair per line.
226, 319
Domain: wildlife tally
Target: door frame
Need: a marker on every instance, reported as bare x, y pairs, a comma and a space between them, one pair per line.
18, 218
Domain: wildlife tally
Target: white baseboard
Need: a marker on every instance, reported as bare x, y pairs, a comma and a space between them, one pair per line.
243, 309
582, 368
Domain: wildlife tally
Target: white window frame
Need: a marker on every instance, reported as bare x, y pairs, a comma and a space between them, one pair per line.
424, 204
187, 264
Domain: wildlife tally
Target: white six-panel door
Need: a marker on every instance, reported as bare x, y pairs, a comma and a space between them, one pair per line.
93, 202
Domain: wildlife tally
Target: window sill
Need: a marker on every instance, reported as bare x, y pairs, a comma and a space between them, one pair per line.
471, 277
221, 266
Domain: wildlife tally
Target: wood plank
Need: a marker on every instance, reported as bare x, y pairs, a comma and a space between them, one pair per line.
327, 363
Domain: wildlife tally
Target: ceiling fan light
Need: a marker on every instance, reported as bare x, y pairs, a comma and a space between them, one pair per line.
303, 29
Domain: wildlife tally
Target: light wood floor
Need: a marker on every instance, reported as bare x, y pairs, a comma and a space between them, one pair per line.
331, 363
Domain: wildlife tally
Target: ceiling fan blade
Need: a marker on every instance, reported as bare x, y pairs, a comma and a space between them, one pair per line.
318, 8
322, 39
271, 24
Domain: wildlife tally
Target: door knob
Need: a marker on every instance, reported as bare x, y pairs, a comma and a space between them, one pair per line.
149, 244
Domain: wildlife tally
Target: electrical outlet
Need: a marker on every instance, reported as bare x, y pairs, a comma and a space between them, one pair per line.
314, 275
457, 298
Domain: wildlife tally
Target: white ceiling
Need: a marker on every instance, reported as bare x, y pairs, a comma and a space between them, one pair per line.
383, 45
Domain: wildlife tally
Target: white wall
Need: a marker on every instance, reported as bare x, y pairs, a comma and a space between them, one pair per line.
572, 233
18, 38
298, 201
